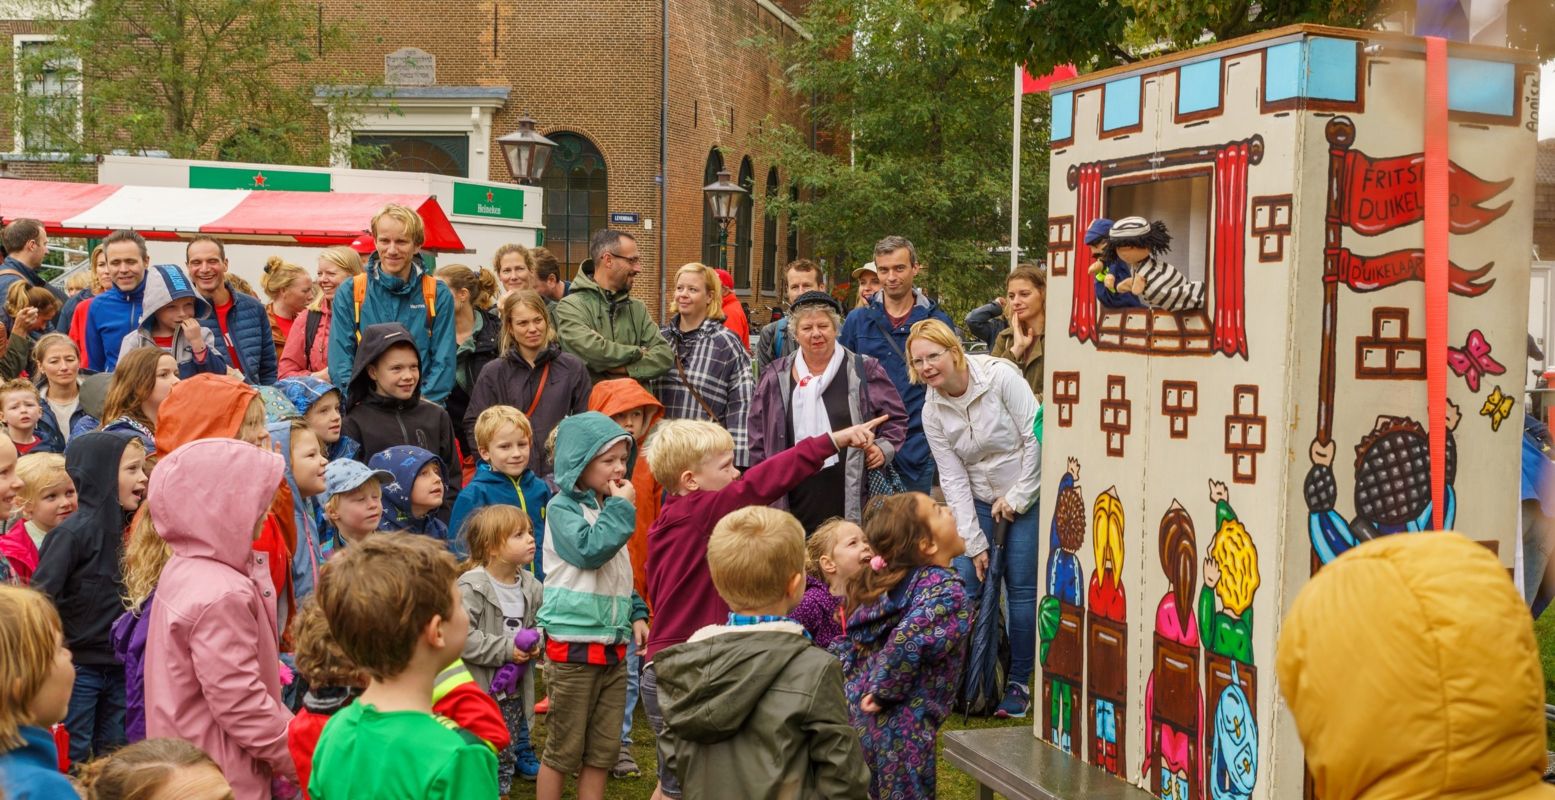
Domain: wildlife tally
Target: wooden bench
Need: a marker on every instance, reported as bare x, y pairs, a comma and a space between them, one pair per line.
1019, 766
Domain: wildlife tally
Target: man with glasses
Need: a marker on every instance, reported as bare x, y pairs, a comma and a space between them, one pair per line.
600, 322
879, 329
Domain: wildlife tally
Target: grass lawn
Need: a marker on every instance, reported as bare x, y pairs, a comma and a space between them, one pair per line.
953, 783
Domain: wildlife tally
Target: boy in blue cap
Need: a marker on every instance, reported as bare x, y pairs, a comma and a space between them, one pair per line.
353, 502
1103, 268
318, 401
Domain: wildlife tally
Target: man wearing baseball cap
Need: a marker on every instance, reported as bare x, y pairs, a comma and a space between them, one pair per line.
734, 316
1096, 240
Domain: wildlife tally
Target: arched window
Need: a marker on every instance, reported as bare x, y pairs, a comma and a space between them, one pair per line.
715, 162
769, 236
576, 198
742, 227
793, 230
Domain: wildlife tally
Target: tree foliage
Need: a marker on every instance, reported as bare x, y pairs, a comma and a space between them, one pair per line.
229, 79
918, 116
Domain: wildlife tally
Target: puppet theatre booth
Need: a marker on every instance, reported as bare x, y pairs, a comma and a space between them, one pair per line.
1354, 210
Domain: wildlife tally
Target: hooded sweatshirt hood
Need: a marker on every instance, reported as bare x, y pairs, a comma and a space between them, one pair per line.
303, 391
404, 462
301, 512
1446, 672
712, 683
202, 407
221, 526
579, 439
620, 395
376, 340
163, 285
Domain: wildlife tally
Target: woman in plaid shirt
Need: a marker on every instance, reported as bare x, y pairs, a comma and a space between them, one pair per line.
711, 378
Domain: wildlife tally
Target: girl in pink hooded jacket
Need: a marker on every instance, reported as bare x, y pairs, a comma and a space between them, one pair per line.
212, 667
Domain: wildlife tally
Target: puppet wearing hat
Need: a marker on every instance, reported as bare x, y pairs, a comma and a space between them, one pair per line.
1107, 269
1138, 243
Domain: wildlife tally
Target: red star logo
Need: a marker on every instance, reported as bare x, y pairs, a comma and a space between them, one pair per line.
259, 180
490, 195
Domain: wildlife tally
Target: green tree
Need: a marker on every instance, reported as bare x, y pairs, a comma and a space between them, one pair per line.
229, 79
918, 116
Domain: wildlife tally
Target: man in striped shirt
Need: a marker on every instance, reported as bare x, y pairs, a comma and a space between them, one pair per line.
1138, 242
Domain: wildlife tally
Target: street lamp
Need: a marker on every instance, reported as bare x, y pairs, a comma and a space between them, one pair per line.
723, 197
527, 151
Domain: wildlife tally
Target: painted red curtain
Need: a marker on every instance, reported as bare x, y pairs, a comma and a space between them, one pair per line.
1231, 249
1082, 314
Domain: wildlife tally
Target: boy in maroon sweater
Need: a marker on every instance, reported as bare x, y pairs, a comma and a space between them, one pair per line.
694, 462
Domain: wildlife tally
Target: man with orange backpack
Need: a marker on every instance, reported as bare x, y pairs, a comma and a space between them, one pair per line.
396, 287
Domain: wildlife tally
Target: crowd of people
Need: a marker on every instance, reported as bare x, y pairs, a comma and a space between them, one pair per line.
369, 537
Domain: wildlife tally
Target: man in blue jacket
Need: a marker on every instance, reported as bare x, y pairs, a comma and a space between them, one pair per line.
239, 322
115, 313
880, 329
26, 244
398, 289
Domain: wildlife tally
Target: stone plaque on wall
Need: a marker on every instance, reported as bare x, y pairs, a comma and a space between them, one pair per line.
410, 66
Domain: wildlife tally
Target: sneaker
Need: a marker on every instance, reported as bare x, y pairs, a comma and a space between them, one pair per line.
1016, 703
544, 706
526, 766
626, 766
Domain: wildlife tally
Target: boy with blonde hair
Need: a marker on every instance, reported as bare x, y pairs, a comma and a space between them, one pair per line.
20, 407
47, 497
694, 460
388, 744
503, 436
352, 501
777, 718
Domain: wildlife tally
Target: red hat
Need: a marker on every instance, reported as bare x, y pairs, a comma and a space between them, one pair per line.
725, 278
364, 244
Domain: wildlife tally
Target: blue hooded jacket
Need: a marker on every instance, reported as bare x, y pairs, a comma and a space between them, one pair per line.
390, 299
306, 513
405, 462
248, 333
491, 488
163, 286
305, 390
868, 331
113, 315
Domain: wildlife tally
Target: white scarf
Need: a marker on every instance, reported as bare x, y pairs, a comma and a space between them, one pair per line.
810, 417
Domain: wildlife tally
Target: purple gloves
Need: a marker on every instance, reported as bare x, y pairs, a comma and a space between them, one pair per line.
509, 675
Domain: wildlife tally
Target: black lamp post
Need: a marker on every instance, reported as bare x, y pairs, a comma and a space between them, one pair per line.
527, 151
723, 197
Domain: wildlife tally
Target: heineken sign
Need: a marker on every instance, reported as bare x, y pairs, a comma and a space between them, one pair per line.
241, 178
494, 202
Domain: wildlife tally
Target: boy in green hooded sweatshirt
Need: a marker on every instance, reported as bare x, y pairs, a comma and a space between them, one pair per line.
589, 609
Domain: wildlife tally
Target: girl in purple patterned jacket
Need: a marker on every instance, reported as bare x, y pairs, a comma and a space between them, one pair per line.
833, 555
909, 619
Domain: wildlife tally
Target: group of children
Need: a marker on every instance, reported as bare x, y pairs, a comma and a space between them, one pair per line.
289, 597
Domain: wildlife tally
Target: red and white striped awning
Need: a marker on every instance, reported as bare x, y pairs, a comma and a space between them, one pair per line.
235, 215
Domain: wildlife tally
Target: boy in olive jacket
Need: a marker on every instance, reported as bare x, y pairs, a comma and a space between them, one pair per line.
733, 693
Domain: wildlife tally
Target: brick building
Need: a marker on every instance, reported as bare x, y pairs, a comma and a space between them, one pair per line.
595, 81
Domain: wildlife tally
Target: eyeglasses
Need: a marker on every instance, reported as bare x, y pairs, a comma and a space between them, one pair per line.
630, 260
932, 358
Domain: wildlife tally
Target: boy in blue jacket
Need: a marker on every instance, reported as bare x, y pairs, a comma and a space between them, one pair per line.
411, 502
170, 312
503, 434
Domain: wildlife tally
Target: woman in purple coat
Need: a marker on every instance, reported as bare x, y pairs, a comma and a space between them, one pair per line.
819, 388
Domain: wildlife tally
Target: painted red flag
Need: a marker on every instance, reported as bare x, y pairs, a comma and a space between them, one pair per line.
1031, 85
1381, 194
1370, 273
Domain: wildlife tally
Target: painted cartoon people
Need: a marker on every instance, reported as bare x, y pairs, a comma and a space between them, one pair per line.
1140, 243
1231, 577
1106, 602
1392, 486
1061, 660
1172, 749
1234, 770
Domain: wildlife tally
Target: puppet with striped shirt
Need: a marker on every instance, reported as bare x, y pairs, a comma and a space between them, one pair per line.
1139, 243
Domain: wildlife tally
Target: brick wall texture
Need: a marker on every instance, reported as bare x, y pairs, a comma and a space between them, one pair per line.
594, 70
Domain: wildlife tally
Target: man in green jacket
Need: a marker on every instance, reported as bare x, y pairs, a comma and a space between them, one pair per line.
599, 321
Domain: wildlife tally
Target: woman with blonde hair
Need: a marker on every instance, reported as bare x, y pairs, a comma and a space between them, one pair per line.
477, 330
514, 266
290, 291
531, 374
712, 375
308, 352
978, 417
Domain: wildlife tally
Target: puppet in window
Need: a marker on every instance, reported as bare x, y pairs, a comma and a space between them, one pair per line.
1392, 486
1140, 244
1107, 268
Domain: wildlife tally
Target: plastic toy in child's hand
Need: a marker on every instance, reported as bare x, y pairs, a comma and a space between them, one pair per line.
509, 676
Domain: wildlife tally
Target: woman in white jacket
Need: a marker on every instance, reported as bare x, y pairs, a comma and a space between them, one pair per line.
978, 416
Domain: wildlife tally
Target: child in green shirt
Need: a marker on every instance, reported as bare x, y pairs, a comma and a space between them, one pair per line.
388, 744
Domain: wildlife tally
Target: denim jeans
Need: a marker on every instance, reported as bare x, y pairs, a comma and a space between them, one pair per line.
1020, 586
632, 668
95, 718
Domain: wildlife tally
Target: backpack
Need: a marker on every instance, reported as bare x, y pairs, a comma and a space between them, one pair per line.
310, 330
359, 294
